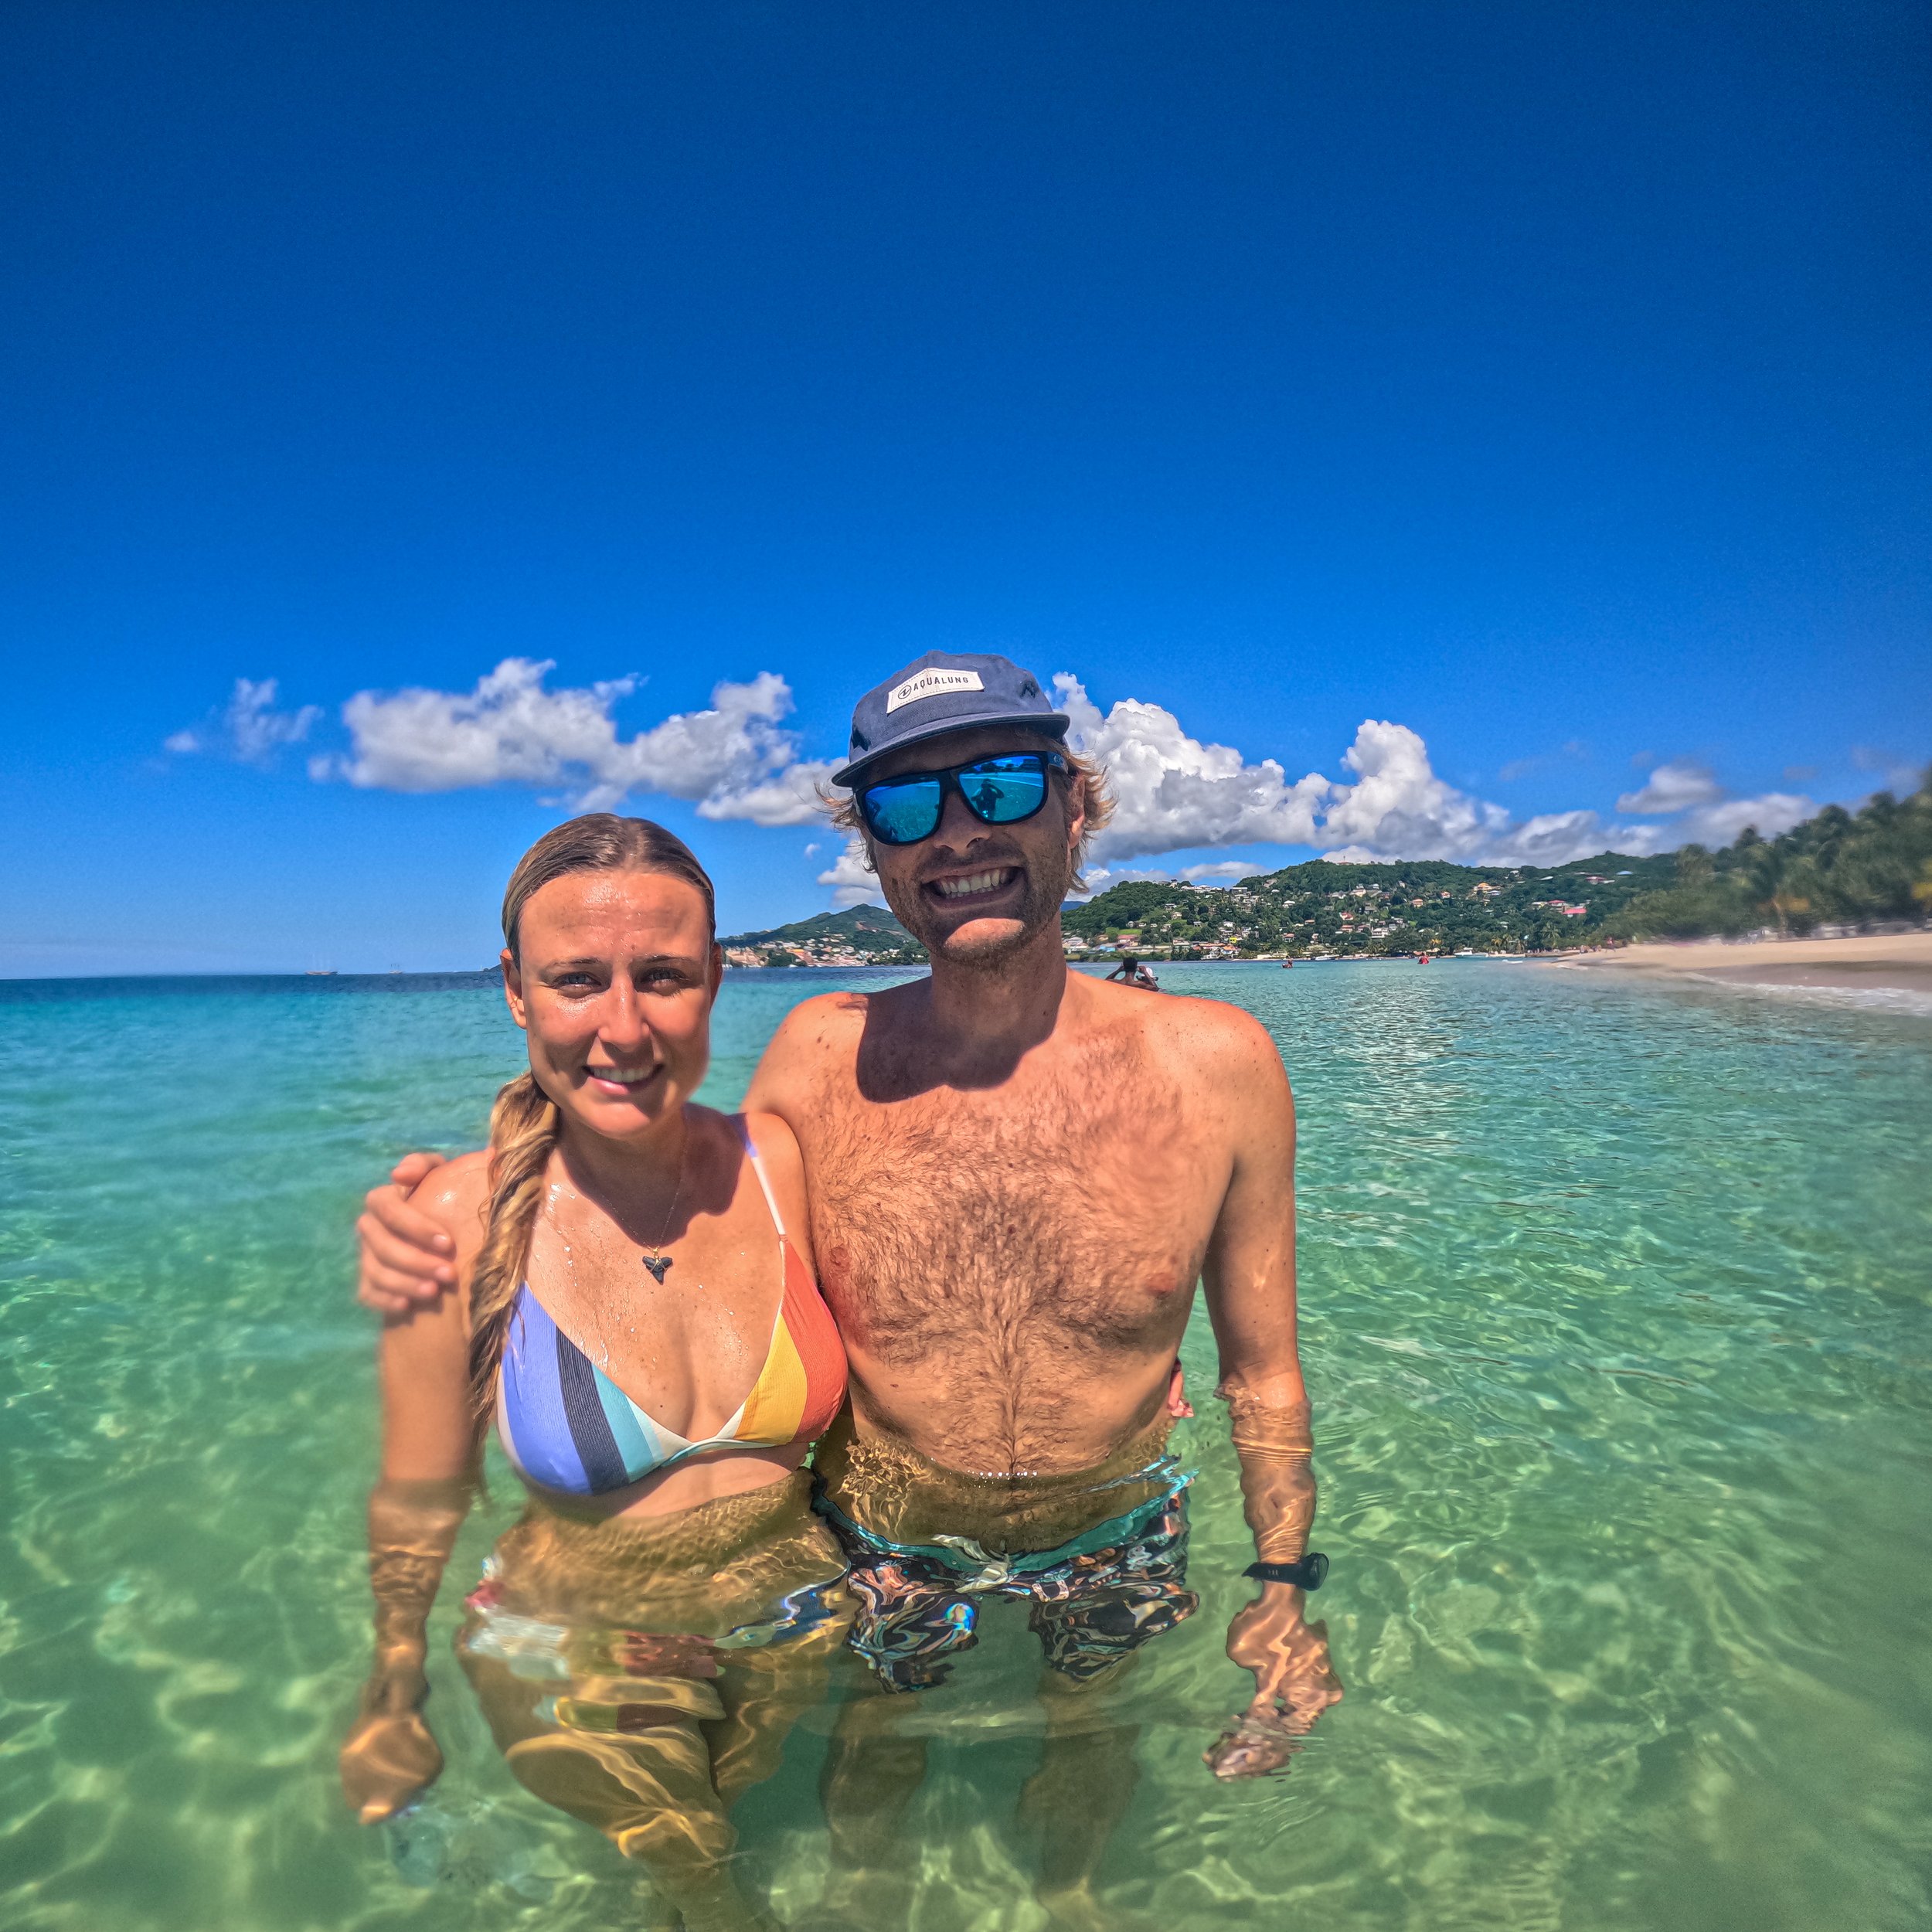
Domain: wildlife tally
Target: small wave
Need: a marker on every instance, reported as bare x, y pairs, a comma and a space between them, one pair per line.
1871, 999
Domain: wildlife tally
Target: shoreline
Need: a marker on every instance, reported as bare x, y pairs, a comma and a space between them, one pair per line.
1891, 962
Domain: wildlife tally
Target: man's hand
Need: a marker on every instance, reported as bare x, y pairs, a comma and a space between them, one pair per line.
406, 1260
1294, 1684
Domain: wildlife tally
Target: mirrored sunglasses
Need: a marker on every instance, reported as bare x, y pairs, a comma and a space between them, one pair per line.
997, 791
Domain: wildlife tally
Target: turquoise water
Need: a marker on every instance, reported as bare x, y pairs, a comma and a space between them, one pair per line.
1616, 1317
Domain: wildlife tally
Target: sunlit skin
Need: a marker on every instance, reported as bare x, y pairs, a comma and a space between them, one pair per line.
980, 929
1018, 1174
612, 982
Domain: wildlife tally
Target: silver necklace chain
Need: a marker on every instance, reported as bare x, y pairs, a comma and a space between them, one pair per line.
657, 1261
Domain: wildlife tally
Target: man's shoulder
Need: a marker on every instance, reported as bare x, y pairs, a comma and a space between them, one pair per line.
818, 1036
828, 1019
821, 1020
1209, 1040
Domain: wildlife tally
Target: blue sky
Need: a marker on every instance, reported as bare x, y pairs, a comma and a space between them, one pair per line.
1544, 388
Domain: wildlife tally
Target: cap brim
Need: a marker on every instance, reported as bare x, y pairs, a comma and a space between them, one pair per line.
1053, 723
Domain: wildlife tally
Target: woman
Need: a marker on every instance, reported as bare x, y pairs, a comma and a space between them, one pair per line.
637, 1315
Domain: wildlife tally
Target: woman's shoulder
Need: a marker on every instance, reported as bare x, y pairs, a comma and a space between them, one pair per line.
457, 1195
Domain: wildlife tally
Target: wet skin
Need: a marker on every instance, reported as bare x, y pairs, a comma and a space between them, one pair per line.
1017, 1175
613, 981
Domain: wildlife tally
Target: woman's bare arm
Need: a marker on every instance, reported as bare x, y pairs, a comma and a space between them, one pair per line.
416, 1508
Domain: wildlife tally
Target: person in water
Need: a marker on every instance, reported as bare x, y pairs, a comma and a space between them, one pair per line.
1016, 1176
635, 1313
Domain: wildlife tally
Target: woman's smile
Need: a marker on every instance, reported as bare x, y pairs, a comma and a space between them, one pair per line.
626, 1081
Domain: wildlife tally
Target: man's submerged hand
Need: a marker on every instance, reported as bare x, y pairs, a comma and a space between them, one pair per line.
407, 1260
1294, 1682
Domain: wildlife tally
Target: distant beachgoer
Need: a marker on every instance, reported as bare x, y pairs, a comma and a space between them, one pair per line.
636, 1314
1017, 1178
1132, 972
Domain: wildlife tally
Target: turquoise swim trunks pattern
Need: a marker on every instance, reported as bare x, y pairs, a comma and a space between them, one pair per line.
1093, 1601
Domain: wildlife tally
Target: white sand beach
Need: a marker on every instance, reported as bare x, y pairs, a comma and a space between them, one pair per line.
1900, 961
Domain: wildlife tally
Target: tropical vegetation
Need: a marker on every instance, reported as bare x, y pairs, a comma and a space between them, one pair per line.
1840, 869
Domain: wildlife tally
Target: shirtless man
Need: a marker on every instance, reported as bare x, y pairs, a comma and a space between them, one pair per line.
1017, 1175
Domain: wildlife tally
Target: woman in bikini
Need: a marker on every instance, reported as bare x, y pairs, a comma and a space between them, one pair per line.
637, 1317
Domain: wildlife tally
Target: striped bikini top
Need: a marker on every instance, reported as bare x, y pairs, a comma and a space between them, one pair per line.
566, 1426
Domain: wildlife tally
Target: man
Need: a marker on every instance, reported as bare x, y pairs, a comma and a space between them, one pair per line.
1018, 1176
1130, 972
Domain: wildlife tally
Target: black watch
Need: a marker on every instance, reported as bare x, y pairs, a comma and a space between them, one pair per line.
1308, 1574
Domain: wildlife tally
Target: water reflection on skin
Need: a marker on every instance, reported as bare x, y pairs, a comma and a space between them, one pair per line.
1099, 1558
640, 1675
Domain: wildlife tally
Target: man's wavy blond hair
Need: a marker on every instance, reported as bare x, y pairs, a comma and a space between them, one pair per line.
1086, 773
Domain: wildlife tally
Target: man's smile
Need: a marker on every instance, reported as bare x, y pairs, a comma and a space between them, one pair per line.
968, 887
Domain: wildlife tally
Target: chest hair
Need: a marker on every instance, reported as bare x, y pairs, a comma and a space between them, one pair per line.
1062, 1216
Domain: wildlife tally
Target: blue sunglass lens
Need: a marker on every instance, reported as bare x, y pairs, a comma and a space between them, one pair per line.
903, 815
1003, 790
1000, 791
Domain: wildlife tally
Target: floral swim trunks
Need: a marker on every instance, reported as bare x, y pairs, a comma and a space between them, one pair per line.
1093, 1601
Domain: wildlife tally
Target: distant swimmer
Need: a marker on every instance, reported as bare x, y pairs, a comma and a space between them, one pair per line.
1133, 972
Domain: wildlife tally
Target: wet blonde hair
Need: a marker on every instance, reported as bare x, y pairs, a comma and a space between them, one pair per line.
1085, 776
524, 1122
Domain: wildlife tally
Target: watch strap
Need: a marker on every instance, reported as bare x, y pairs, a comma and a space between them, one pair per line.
1308, 1574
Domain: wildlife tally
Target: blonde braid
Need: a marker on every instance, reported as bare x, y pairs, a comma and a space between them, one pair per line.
523, 1129
525, 1122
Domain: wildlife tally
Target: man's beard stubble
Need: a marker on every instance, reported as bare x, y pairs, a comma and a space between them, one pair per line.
1040, 901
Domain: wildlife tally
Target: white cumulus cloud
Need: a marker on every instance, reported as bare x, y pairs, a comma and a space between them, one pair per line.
1673, 787
250, 729
1171, 790
1720, 822
735, 760
1176, 791
853, 881
1397, 803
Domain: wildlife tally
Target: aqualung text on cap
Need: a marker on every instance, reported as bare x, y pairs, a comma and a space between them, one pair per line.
941, 692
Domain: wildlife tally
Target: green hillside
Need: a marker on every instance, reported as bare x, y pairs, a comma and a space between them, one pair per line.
1840, 867
869, 924
1418, 906
869, 931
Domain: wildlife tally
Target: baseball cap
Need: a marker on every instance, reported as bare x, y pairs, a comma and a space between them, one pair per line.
941, 692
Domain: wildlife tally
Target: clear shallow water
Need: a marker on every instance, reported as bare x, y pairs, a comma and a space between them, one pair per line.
1617, 1314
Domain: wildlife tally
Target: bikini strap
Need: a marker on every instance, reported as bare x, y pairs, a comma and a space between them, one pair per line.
758, 1168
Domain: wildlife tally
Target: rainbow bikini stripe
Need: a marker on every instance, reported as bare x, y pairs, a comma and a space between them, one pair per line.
566, 1426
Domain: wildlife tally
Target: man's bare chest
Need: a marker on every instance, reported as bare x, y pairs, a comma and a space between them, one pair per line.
954, 1216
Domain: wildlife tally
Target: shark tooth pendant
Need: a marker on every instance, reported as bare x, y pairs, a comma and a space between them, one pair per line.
657, 1260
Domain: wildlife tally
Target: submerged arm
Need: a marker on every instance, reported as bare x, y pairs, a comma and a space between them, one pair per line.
415, 1511
1251, 1283
1250, 1278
